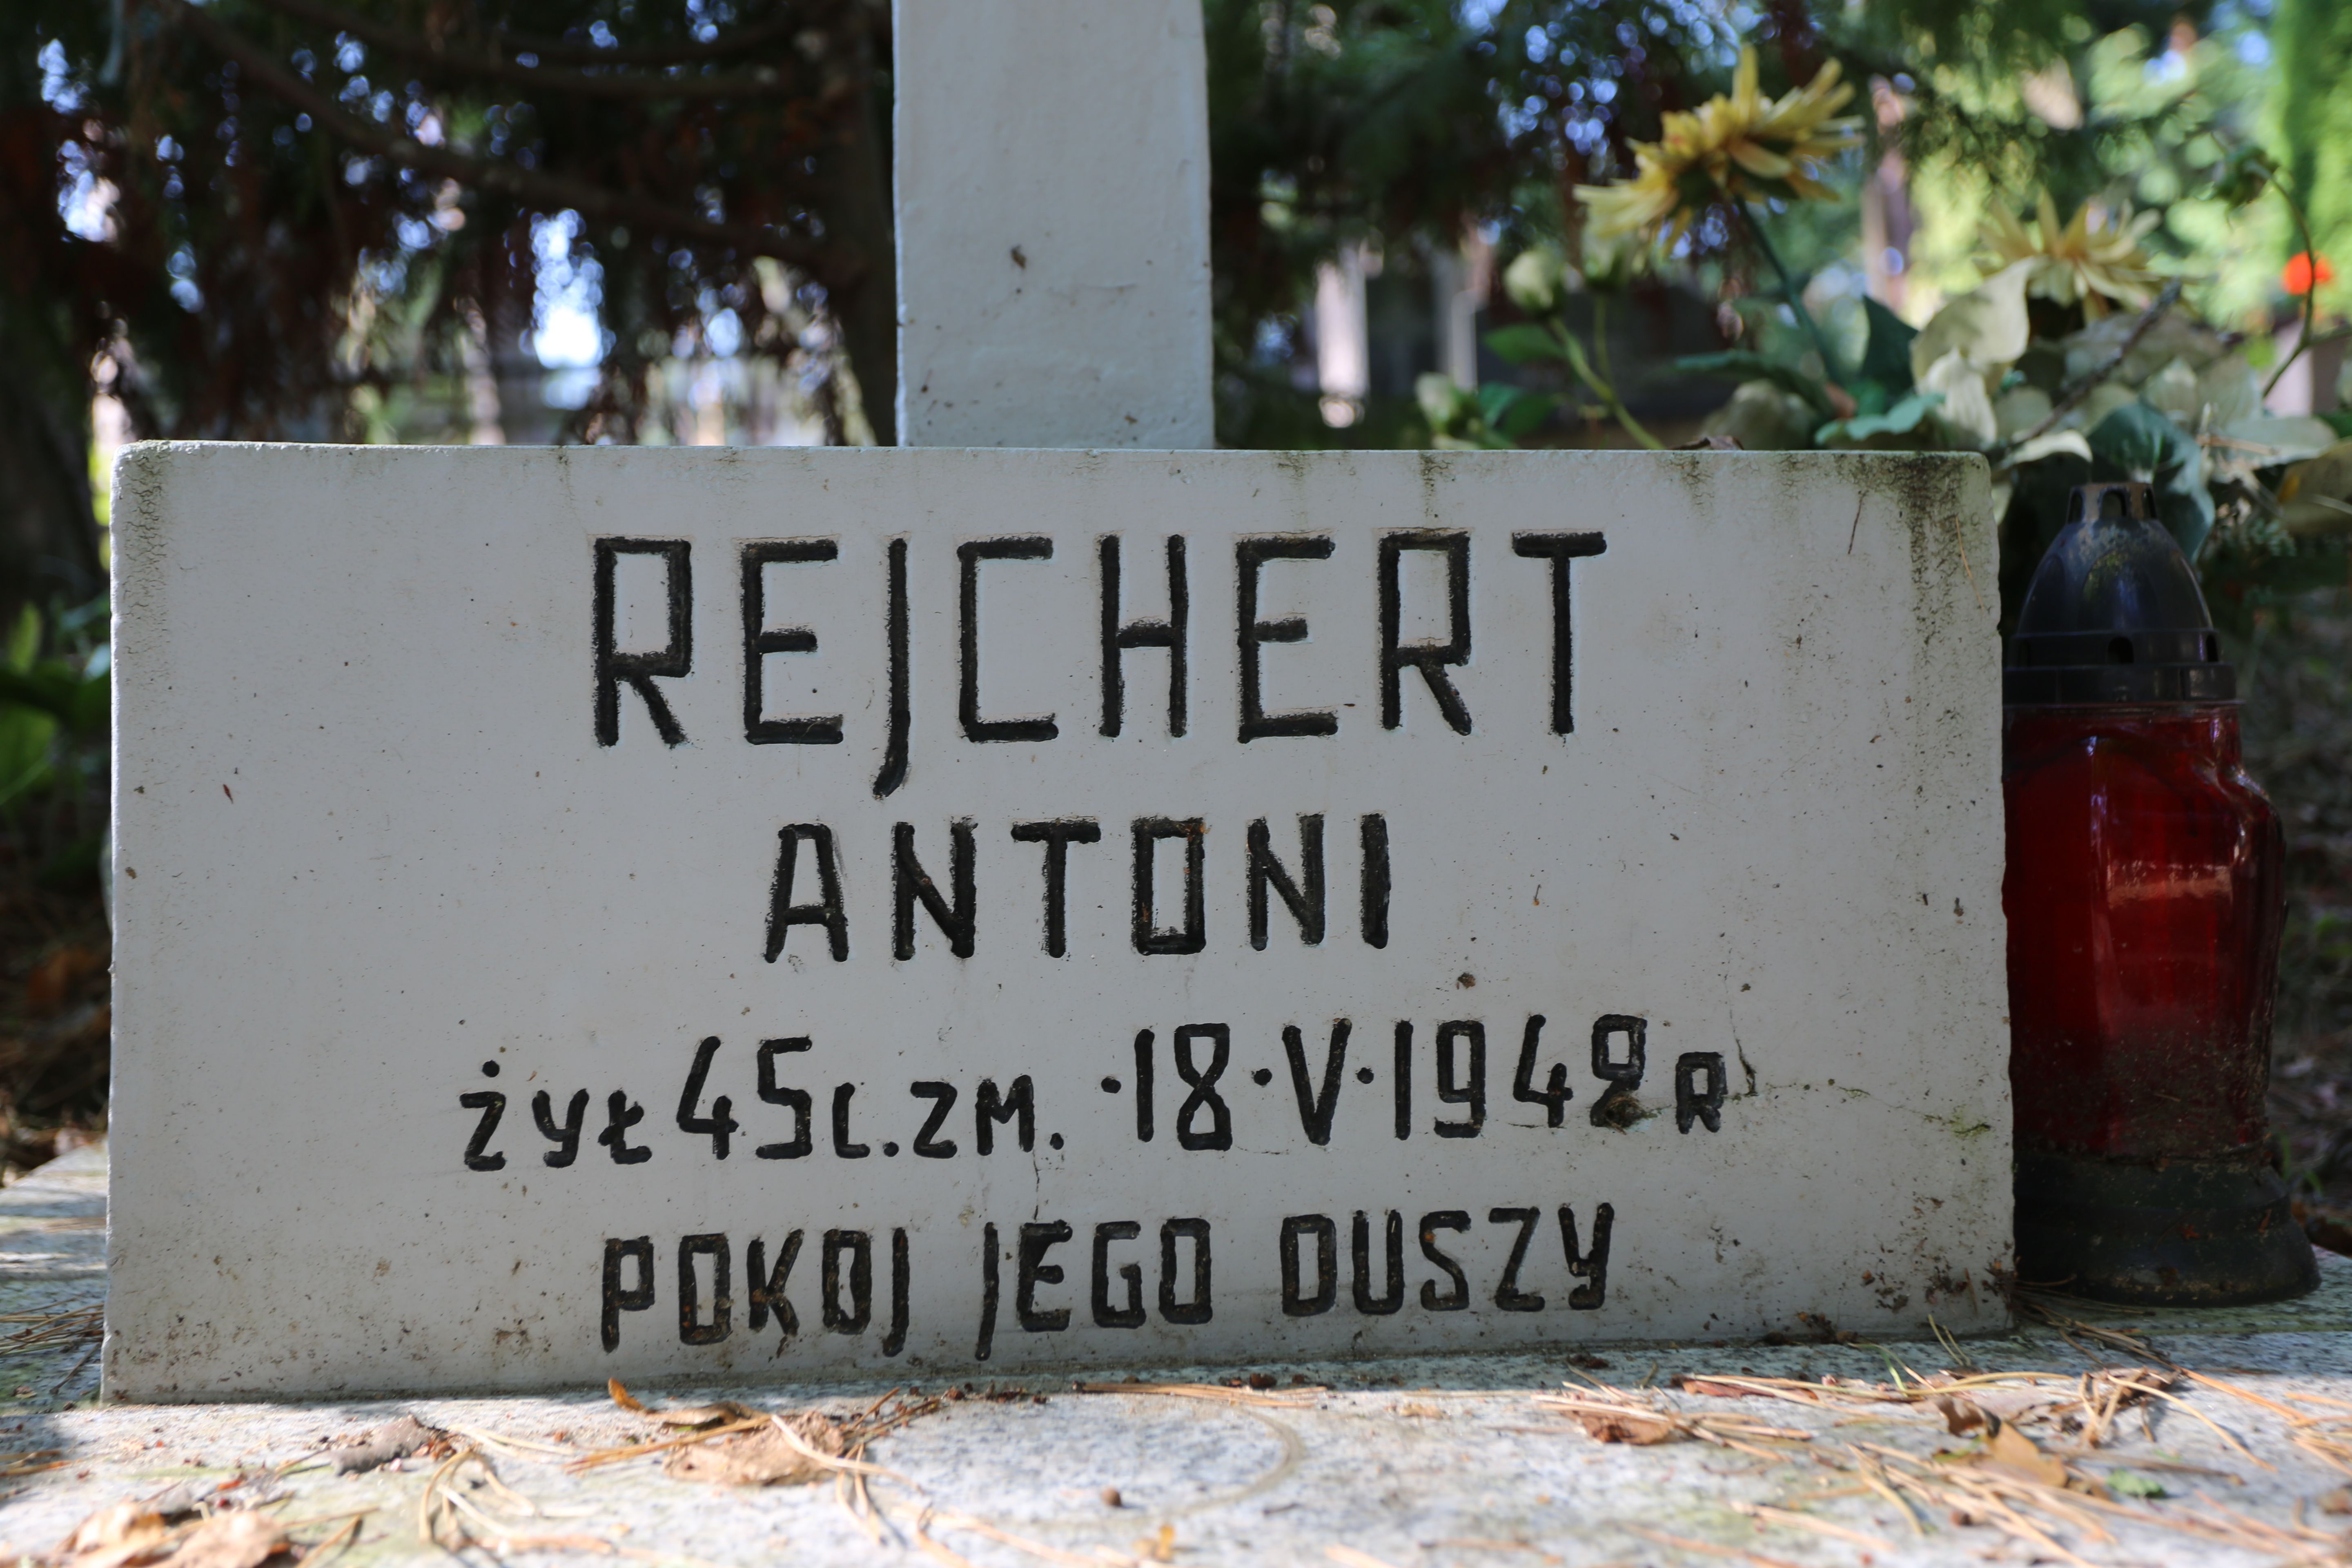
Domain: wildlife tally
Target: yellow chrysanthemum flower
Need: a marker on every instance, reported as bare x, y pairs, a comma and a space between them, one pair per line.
2091, 259
1739, 145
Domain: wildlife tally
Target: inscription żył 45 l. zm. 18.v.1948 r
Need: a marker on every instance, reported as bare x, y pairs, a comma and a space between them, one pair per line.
681, 914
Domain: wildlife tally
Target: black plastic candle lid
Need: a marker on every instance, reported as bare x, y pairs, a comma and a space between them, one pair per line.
2114, 614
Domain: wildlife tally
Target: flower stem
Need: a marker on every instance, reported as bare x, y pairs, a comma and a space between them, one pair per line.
1573, 351
1789, 292
1600, 336
2310, 289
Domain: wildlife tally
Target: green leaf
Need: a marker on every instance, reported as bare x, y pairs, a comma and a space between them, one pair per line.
2271, 439
1745, 364
1886, 356
54, 689
1987, 325
1512, 413
2131, 1483
2186, 510
24, 639
25, 735
1763, 417
2049, 444
1900, 420
1524, 343
2137, 442
1445, 405
1535, 279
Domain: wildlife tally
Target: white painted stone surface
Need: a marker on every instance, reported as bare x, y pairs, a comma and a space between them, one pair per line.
1051, 171
368, 841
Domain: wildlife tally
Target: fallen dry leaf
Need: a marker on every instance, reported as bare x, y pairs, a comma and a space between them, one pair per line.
761, 1458
114, 1534
1632, 1426
701, 1415
112, 1526
182, 1499
2014, 1404
1961, 1417
2012, 1450
1614, 1416
129, 1551
394, 1440
237, 1540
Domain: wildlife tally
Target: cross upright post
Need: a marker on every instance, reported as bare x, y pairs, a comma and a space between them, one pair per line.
1052, 178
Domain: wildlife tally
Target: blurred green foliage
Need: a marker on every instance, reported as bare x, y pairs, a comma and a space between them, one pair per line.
53, 705
297, 218
2312, 40
54, 710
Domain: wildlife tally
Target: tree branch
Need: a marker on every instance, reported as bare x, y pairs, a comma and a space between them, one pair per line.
759, 81
2078, 390
2310, 290
836, 263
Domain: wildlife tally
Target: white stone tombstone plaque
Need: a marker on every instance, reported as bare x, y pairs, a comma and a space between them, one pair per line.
709, 916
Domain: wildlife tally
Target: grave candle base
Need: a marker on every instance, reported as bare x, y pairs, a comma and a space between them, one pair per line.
2144, 901
2177, 1233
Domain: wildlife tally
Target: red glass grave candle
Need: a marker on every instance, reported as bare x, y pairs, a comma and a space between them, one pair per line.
2144, 898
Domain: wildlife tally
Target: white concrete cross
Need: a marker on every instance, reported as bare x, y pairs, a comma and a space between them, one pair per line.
1052, 163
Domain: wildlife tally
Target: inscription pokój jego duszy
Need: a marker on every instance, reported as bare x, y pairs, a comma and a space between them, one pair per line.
1199, 1115
1199, 1056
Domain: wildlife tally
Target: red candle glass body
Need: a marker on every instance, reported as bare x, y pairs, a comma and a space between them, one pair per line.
2145, 897
2144, 901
